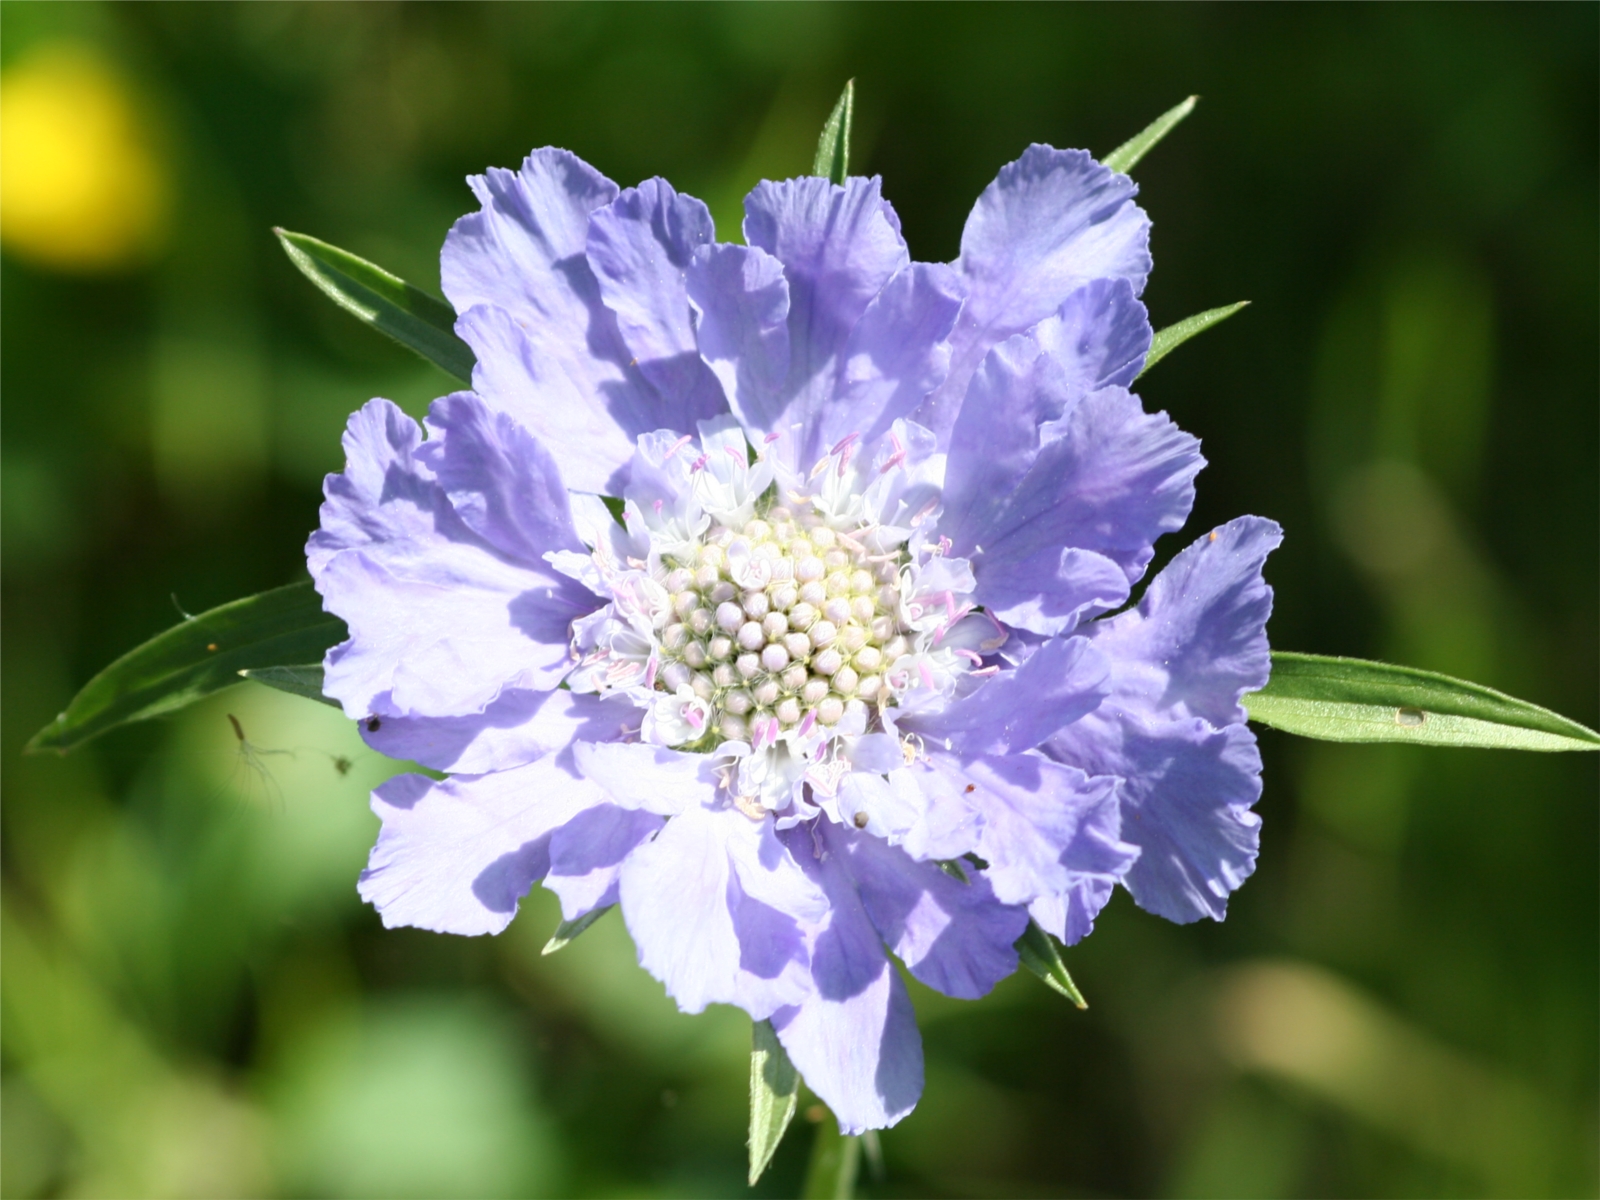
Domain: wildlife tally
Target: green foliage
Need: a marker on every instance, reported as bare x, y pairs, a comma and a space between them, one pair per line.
1169, 339
304, 680
774, 1095
567, 931
1041, 955
1351, 700
202, 655
835, 1161
1131, 151
833, 147
389, 304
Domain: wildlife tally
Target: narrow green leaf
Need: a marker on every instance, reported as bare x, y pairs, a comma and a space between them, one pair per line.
1040, 954
1352, 700
416, 320
1169, 339
1136, 147
202, 655
835, 1159
833, 147
774, 1095
568, 931
302, 680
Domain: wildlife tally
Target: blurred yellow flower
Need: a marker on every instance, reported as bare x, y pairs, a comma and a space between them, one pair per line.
81, 185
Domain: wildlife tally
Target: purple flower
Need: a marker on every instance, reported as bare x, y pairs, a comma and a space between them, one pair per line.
845, 629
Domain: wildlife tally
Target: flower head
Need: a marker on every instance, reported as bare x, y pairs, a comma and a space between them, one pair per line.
845, 629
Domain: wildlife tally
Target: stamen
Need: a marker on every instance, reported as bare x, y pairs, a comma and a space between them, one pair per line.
676, 446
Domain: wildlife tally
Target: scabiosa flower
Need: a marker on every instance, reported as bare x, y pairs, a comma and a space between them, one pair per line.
832, 686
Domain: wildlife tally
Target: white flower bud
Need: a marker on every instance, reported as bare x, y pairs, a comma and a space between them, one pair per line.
729, 616
837, 610
801, 615
724, 676
775, 625
839, 583
675, 636
737, 702
822, 537
678, 579
814, 691
685, 603
748, 665
788, 711
863, 609
703, 687
774, 657
784, 597
733, 728
844, 680
835, 559
794, 677
800, 549
694, 654
809, 570
813, 593
830, 710
869, 658
752, 636
852, 638
827, 661
720, 648
706, 576
766, 692
868, 687
822, 633
862, 583
797, 644
674, 676
701, 620
882, 628
755, 604
722, 591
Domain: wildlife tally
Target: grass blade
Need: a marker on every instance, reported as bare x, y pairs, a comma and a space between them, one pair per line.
1352, 700
1169, 339
1131, 151
389, 304
833, 147
202, 655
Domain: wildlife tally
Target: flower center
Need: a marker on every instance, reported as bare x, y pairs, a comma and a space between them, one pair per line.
785, 622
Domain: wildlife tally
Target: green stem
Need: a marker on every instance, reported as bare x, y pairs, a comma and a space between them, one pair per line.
835, 1159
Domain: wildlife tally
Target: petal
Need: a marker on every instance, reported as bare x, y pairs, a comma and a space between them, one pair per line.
716, 907
441, 620
1186, 793
923, 812
1052, 590
1051, 222
652, 778
1017, 709
854, 1036
742, 299
1050, 833
1197, 640
955, 937
1100, 335
639, 247
456, 856
586, 855
517, 727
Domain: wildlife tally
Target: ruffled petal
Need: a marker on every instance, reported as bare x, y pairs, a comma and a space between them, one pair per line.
1016, 710
1186, 794
456, 856
854, 1036
1198, 639
742, 299
1100, 335
955, 937
639, 247
586, 855
717, 909
517, 727
652, 778
1051, 222
441, 618
1051, 591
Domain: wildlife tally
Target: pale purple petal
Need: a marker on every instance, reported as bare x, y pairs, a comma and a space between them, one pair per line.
639, 247
1051, 222
517, 727
1051, 591
653, 778
854, 1036
586, 855
1186, 793
717, 909
441, 621
1100, 335
742, 299
1017, 709
457, 856
1197, 640
955, 937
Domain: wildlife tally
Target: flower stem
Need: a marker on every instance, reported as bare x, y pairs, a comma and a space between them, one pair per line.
835, 1159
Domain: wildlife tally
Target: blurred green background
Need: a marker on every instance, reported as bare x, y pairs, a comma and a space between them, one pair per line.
1403, 1001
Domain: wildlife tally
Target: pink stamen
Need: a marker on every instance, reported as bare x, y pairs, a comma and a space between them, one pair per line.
844, 458
658, 503
737, 457
694, 716
676, 446
974, 656
895, 459
850, 541
810, 723
945, 544
650, 672
922, 513
985, 671
770, 438
699, 464
844, 443
927, 675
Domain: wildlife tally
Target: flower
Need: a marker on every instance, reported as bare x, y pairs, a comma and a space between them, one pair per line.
833, 684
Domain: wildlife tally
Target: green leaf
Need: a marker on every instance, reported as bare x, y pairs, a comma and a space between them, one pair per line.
567, 931
388, 303
1169, 339
1040, 954
1352, 700
833, 147
835, 1159
202, 655
774, 1095
1136, 147
302, 680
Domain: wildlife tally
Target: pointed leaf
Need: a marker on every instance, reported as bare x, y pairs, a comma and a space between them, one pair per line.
1169, 339
1352, 700
302, 680
1040, 954
833, 147
568, 931
202, 655
1136, 147
774, 1094
410, 316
